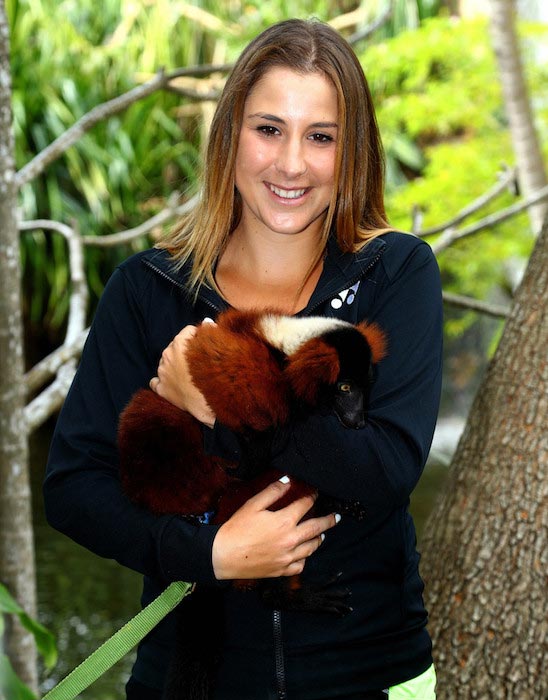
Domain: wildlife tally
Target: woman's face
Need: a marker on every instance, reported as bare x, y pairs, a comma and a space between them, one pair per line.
285, 165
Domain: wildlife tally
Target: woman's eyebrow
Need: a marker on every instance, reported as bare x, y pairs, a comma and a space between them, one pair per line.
269, 117
279, 120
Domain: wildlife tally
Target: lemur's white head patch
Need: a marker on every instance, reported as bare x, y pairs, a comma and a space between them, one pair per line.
288, 333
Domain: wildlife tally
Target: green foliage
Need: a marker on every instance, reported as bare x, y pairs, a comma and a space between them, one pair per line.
66, 59
433, 80
441, 114
10, 685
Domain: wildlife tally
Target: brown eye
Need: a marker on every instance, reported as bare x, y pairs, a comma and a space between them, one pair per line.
344, 387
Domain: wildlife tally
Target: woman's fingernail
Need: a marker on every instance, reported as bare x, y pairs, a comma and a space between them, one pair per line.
322, 537
284, 479
337, 518
208, 320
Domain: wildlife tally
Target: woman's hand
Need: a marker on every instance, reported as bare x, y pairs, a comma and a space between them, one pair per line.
174, 382
259, 543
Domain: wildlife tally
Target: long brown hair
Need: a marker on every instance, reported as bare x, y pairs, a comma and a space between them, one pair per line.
356, 212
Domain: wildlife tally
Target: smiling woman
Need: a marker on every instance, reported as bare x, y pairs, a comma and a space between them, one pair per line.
291, 219
285, 167
285, 177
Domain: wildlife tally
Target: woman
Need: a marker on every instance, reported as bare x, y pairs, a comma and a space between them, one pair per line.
291, 217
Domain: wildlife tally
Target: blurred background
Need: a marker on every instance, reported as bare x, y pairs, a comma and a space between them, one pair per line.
435, 83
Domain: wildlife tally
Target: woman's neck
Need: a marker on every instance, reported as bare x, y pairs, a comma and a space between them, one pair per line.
268, 270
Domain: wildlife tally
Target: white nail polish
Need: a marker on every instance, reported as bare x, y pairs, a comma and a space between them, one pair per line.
208, 320
337, 518
284, 479
322, 537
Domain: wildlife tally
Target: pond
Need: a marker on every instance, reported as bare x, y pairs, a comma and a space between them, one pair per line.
84, 599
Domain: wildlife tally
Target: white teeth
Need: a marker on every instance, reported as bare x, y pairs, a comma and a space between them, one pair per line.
287, 194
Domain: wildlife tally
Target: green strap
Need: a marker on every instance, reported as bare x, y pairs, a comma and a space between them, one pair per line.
119, 644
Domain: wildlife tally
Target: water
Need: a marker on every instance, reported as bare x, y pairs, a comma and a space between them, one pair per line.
84, 599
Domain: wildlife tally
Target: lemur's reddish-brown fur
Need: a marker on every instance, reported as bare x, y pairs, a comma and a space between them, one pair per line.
238, 373
250, 386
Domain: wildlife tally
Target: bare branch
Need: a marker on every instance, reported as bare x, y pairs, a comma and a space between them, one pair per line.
450, 235
108, 109
79, 298
463, 302
46, 224
371, 28
172, 210
166, 214
507, 181
51, 399
103, 111
210, 96
200, 71
44, 370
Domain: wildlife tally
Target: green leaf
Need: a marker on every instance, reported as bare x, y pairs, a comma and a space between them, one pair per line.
7, 602
11, 687
45, 641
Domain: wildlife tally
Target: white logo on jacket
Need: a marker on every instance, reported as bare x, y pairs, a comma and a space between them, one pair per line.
347, 295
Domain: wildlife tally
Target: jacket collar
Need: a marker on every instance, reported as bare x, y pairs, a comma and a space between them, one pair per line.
340, 271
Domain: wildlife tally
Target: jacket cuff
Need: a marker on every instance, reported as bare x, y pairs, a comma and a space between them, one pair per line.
197, 542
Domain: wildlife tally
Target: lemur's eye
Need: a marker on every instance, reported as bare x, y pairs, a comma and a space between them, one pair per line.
344, 387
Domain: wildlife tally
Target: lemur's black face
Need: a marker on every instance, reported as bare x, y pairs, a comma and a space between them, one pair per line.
349, 404
350, 395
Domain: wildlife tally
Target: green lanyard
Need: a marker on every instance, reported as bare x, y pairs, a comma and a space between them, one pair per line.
120, 643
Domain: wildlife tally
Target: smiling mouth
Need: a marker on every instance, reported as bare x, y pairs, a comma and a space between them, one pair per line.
287, 194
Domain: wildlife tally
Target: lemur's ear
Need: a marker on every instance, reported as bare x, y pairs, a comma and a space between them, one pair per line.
376, 339
313, 365
239, 376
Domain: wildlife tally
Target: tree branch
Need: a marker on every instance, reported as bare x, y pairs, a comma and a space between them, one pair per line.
79, 297
103, 111
200, 71
507, 181
51, 399
169, 212
450, 235
44, 370
483, 307
371, 28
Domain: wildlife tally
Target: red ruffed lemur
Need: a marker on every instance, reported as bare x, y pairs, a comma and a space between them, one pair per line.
257, 371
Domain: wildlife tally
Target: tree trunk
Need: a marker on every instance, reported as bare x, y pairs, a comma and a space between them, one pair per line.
486, 543
17, 569
531, 170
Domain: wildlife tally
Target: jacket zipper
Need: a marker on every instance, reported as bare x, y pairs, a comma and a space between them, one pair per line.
279, 655
281, 686
179, 284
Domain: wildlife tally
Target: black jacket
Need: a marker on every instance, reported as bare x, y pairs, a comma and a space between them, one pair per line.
393, 281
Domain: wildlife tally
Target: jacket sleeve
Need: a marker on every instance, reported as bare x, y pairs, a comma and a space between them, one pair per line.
82, 491
380, 464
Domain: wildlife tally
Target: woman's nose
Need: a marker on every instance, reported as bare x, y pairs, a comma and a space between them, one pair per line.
291, 161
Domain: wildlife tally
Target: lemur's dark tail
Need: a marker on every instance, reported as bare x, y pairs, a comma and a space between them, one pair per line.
196, 654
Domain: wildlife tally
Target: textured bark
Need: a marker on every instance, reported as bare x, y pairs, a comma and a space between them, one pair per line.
486, 543
531, 170
16, 536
